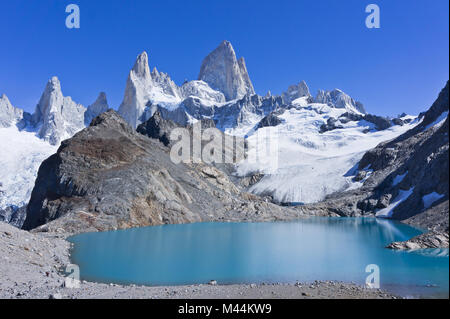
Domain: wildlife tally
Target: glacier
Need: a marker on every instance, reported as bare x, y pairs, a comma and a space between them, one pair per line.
311, 165
22, 154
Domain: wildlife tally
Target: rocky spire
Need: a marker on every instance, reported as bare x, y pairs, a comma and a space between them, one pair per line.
98, 107
296, 91
245, 76
8, 113
57, 117
145, 88
141, 68
223, 72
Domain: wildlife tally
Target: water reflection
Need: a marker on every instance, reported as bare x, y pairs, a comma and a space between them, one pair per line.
305, 250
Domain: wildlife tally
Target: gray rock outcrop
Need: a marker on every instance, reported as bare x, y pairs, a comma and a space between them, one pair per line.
431, 239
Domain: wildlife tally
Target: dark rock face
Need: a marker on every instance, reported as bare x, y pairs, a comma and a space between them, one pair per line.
13, 215
330, 125
380, 122
438, 107
158, 128
398, 121
269, 120
415, 162
108, 176
347, 117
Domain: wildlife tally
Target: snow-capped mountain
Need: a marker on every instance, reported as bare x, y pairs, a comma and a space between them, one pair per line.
57, 117
28, 139
224, 92
320, 138
143, 89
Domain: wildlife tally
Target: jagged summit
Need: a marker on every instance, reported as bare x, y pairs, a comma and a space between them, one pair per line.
141, 68
223, 72
296, 91
145, 88
57, 117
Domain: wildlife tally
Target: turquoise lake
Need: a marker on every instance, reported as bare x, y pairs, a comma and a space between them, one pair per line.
304, 250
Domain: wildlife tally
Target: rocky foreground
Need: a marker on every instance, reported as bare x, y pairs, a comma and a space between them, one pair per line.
32, 267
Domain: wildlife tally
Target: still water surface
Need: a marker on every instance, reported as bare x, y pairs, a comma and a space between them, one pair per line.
304, 250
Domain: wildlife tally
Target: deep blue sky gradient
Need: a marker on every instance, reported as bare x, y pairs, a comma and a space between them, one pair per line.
400, 67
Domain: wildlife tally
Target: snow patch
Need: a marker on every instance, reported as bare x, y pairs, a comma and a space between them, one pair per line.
439, 121
388, 211
429, 199
398, 179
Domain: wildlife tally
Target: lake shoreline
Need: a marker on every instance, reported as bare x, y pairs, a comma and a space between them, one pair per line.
31, 267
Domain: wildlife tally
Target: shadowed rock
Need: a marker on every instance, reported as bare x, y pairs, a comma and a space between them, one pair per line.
158, 128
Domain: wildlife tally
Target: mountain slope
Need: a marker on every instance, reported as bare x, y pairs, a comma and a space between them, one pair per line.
311, 164
405, 178
108, 176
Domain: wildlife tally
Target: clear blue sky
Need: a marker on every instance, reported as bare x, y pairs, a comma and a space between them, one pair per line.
400, 67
